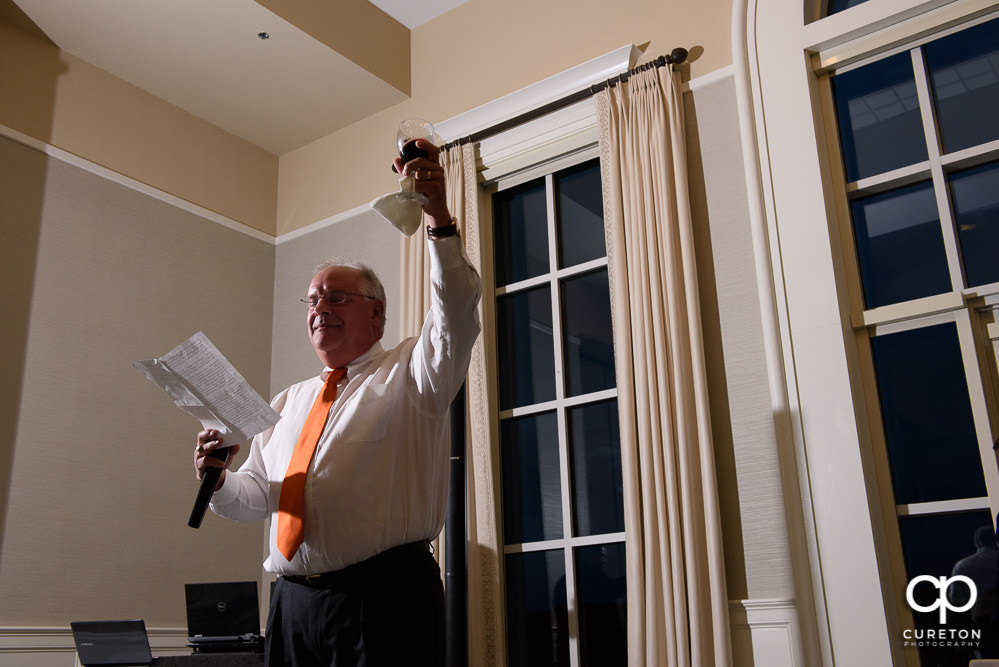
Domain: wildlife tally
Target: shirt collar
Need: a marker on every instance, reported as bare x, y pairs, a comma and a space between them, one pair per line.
358, 363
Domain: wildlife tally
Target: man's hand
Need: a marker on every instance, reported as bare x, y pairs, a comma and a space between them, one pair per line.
429, 179
208, 441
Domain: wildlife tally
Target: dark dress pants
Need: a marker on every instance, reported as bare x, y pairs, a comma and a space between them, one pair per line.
386, 614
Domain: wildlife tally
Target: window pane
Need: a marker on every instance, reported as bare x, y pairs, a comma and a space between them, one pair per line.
526, 348
900, 245
536, 610
580, 214
588, 342
595, 448
975, 195
964, 75
532, 487
836, 6
942, 546
520, 218
878, 115
600, 577
932, 444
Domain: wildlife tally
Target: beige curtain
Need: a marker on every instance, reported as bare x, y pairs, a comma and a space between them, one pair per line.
483, 548
677, 602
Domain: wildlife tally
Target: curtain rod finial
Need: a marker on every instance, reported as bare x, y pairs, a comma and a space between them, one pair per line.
678, 55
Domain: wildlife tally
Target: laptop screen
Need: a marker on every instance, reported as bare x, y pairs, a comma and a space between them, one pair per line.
111, 643
222, 610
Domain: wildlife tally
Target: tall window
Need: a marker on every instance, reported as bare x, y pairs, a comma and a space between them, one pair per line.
563, 518
919, 146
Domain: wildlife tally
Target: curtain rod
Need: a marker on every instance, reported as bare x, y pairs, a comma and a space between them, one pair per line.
676, 56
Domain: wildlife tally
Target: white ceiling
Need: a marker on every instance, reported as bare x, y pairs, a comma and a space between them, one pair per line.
412, 13
205, 57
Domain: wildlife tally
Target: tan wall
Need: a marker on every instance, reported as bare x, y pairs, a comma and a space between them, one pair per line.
57, 98
476, 53
96, 462
471, 55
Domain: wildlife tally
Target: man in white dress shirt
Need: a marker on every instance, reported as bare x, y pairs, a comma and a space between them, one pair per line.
363, 588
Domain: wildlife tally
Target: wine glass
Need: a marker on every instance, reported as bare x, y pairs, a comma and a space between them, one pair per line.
410, 130
404, 209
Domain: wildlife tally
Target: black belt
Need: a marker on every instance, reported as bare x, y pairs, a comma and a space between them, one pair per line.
351, 573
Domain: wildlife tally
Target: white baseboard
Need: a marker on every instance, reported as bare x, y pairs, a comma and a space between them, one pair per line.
765, 633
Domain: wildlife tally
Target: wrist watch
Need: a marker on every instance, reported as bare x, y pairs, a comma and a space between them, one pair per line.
434, 233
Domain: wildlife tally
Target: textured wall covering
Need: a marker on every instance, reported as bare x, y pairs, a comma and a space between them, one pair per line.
755, 529
98, 467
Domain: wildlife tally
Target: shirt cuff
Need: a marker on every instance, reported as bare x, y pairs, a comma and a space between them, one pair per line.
447, 252
227, 493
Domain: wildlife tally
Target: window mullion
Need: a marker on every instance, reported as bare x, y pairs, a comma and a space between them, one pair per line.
560, 393
936, 169
942, 507
553, 285
560, 390
559, 359
979, 405
573, 607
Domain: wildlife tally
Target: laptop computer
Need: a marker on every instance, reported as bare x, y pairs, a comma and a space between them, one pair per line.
223, 617
112, 643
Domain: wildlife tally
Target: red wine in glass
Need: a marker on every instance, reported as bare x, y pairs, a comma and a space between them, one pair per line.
404, 209
410, 130
411, 152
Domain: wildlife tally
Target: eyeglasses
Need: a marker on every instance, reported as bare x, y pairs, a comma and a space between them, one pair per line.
332, 298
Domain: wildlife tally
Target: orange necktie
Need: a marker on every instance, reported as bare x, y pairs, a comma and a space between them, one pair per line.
290, 530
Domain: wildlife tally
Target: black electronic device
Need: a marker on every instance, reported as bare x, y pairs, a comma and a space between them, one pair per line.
223, 617
208, 483
112, 643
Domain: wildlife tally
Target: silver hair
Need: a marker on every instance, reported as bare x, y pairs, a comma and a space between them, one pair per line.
371, 284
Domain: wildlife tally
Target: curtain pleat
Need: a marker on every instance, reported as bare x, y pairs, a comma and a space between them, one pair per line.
484, 647
677, 600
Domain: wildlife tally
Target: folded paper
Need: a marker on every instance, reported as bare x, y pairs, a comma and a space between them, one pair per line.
403, 209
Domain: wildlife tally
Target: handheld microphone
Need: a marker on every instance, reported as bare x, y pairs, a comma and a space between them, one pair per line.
208, 482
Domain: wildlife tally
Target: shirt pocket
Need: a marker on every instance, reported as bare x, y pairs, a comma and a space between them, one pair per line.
367, 416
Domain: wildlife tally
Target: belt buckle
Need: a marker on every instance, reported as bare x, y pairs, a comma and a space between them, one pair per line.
312, 579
